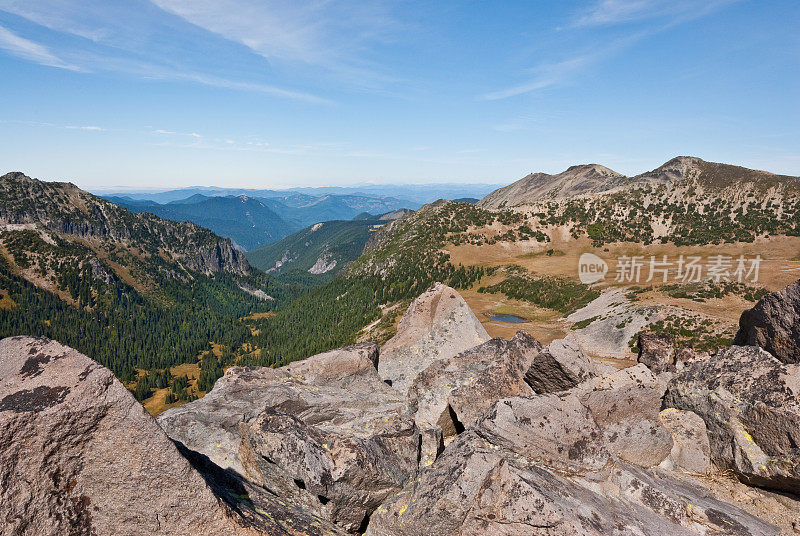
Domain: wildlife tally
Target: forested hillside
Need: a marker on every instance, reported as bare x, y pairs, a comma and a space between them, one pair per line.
135, 291
322, 248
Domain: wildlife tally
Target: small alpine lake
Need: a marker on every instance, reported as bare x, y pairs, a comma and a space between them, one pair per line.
511, 319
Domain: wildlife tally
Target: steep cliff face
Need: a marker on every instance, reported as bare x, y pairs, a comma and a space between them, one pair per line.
65, 209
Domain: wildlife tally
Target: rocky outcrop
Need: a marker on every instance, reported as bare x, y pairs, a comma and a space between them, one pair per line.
626, 406
774, 324
452, 393
750, 403
79, 455
341, 477
684, 354
690, 450
312, 387
560, 366
220, 256
540, 465
325, 433
657, 351
437, 325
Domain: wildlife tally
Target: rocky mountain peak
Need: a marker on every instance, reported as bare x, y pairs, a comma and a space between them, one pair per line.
587, 169
594, 179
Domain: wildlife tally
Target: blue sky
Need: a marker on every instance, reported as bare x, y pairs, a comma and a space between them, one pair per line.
273, 93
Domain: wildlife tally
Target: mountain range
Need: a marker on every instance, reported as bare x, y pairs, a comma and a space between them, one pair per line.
679, 172
251, 222
411, 195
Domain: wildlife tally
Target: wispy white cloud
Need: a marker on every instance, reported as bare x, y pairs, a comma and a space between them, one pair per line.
547, 75
612, 12
87, 127
659, 14
216, 81
139, 39
336, 35
31, 51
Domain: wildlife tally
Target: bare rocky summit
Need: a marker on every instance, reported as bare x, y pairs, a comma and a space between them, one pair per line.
576, 180
483, 437
595, 180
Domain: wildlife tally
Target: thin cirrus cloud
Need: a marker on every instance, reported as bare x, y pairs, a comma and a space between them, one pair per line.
335, 35
143, 39
613, 12
660, 14
29, 50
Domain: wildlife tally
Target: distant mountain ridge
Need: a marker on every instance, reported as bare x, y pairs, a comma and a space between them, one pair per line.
322, 248
412, 195
256, 221
589, 179
66, 209
136, 290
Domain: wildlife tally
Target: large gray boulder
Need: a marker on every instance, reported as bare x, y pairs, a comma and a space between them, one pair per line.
452, 393
690, 450
774, 324
437, 325
79, 455
340, 477
555, 432
541, 466
626, 406
314, 386
750, 403
560, 366
657, 351
325, 433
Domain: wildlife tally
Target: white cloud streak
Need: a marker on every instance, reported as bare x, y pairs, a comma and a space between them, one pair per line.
663, 13
613, 12
142, 40
31, 51
549, 75
335, 35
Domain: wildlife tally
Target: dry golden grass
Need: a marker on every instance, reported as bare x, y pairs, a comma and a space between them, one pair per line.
5, 300
156, 404
259, 316
780, 267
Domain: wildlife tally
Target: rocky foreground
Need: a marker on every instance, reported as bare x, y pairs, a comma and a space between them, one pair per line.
444, 431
